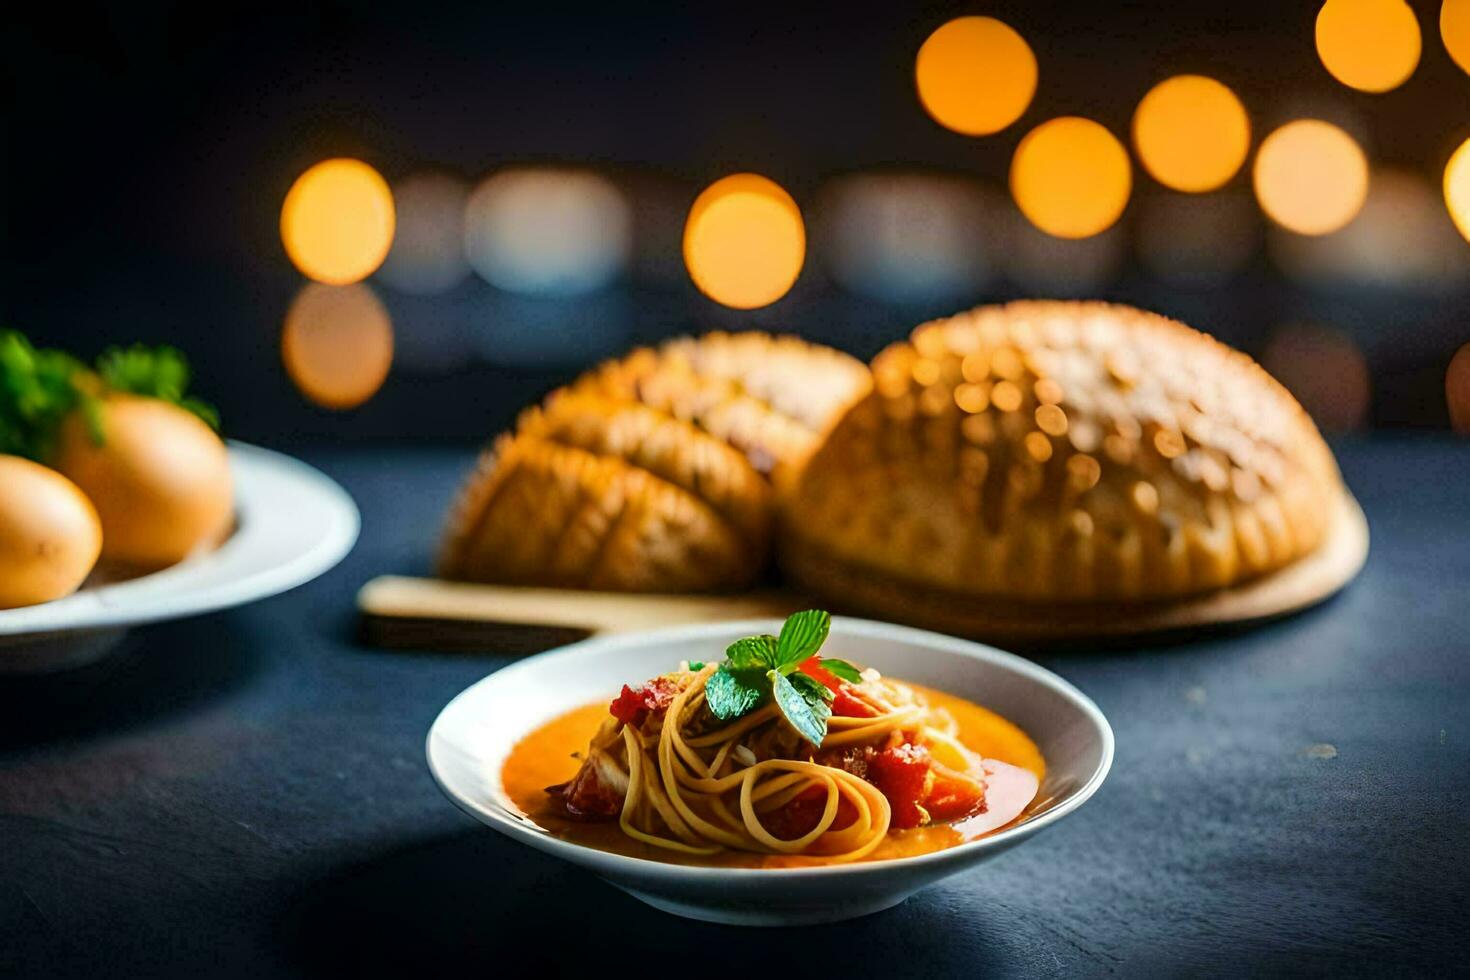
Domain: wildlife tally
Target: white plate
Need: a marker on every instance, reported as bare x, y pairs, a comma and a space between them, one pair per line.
292, 524
469, 742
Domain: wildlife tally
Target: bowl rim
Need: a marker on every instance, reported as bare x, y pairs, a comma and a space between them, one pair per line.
611, 863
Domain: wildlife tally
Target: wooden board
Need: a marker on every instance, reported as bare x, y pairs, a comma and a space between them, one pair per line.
432, 614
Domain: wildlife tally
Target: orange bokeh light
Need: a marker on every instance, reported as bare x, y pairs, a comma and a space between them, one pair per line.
744, 241
1311, 177
337, 221
1457, 188
1369, 45
1191, 133
337, 344
1457, 390
975, 75
1454, 28
1071, 177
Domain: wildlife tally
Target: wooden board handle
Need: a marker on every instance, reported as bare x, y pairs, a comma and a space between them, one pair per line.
436, 614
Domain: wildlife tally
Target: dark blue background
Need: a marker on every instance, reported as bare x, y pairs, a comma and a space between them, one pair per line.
148, 148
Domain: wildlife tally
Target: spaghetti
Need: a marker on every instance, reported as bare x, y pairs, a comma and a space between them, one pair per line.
678, 777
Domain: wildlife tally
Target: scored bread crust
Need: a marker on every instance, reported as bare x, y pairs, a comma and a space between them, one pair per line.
552, 515
677, 452
652, 473
771, 397
1058, 451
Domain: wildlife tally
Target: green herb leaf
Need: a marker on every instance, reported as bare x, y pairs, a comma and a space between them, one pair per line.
731, 693
37, 391
801, 636
811, 688
841, 669
153, 372
752, 651
808, 715
696, 665
207, 413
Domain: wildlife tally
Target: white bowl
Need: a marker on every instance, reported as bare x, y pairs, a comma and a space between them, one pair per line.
469, 742
292, 524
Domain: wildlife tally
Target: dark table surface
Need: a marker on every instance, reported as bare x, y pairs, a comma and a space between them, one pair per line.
246, 793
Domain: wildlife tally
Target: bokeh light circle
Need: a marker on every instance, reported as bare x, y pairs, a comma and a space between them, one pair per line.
1457, 390
1369, 45
975, 75
548, 231
1071, 177
907, 238
427, 256
1454, 28
1457, 188
1401, 239
1311, 177
744, 241
337, 221
337, 344
1191, 133
1324, 370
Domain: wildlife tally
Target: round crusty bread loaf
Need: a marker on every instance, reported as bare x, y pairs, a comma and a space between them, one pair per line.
1056, 451
770, 397
652, 473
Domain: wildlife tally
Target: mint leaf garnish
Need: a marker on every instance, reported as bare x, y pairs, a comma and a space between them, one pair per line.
752, 651
801, 636
757, 668
811, 688
731, 692
841, 669
808, 715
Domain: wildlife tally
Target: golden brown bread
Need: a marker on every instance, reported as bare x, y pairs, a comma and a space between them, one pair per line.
1056, 451
770, 397
651, 473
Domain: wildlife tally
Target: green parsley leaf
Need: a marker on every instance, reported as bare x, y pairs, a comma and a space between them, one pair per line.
841, 669
731, 692
752, 651
37, 392
696, 665
153, 372
808, 715
801, 636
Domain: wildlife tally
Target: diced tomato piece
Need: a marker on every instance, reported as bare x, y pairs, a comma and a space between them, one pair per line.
844, 701
812, 667
633, 705
847, 705
901, 773
953, 795
801, 816
628, 707
585, 798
